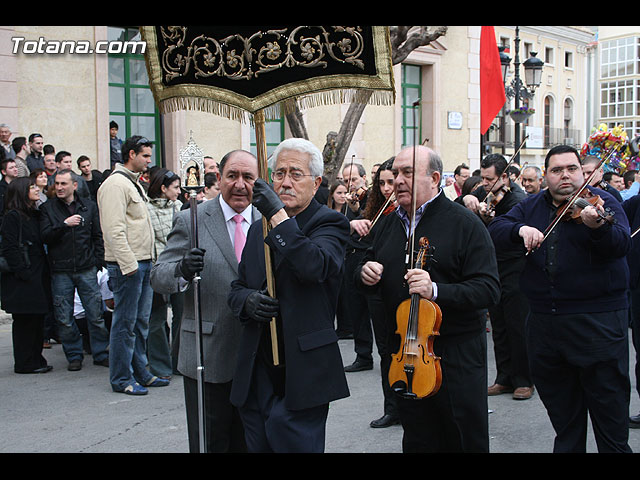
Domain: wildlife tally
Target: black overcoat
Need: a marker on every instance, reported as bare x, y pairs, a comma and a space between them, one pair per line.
308, 253
25, 289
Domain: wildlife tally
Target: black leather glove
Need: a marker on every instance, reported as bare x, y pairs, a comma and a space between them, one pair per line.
192, 263
265, 199
261, 307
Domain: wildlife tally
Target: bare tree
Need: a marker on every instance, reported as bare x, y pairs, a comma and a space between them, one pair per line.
403, 41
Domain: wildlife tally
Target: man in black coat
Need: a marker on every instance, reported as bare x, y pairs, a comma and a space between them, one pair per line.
509, 316
462, 279
284, 407
70, 227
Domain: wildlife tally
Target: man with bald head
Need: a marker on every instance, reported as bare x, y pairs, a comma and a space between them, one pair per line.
223, 223
462, 279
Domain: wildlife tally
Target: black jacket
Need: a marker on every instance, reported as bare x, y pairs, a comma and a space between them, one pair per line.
308, 253
72, 249
463, 267
26, 288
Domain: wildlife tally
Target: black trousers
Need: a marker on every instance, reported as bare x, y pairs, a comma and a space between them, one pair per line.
455, 419
634, 323
580, 367
27, 331
223, 426
508, 320
358, 310
382, 334
272, 428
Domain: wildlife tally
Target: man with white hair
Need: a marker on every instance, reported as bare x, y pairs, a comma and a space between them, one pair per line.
284, 407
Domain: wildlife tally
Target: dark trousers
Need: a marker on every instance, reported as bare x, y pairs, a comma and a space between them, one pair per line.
27, 332
358, 310
382, 334
344, 325
271, 428
508, 320
580, 367
224, 432
455, 419
634, 323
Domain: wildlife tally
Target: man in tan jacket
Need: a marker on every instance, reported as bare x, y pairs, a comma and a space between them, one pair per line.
128, 244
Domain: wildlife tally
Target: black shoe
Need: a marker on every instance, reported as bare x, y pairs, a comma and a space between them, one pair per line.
634, 421
385, 421
358, 366
74, 365
103, 363
344, 336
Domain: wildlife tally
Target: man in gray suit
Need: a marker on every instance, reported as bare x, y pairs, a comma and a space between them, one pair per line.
220, 221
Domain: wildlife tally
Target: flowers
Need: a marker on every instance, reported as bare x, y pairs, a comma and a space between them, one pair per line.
522, 111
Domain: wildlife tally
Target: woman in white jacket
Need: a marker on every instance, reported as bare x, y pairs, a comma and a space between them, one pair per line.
163, 192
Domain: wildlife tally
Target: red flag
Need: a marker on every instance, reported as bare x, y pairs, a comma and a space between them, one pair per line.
492, 96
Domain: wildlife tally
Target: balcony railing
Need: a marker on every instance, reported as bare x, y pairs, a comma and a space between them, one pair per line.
551, 137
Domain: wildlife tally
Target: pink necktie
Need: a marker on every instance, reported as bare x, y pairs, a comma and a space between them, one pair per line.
239, 237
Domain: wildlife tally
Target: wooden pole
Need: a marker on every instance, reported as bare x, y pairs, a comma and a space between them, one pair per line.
263, 171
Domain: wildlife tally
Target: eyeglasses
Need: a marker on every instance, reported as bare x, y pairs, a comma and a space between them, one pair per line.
571, 169
294, 175
142, 140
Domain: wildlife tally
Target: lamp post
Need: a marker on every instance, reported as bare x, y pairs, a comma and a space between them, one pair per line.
517, 89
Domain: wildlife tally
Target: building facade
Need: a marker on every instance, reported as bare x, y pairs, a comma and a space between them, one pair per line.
70, 98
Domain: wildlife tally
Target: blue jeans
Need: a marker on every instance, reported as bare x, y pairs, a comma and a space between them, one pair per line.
63, 287
129, 326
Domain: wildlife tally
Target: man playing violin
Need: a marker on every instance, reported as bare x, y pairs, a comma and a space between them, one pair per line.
461, 281
576, 280
495, 197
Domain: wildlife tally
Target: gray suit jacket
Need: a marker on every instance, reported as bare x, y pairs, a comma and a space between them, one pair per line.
221, 330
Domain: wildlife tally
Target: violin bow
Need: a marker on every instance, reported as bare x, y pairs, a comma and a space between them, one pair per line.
574, 197
513, 157
412, 225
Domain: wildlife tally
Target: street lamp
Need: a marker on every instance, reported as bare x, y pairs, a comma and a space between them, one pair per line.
517, 90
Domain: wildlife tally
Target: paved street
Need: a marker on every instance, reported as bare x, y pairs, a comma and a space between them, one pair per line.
69, 412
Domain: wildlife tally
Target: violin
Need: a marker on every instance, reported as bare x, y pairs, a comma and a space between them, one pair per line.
494, 198
585, 199
415, 371
358, 194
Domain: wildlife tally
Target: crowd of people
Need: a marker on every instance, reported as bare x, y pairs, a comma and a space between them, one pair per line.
96, 261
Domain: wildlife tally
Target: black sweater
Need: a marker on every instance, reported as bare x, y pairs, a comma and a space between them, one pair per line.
463, 266
585, 271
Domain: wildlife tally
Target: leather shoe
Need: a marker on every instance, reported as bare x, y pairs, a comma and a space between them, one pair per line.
497, 389
523, 393
74, 365
358, 366
385, 421
634, 421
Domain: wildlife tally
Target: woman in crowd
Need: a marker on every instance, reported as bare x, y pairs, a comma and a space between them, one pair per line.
377, 209
337, 200
163, 192
337, 196
26, 287
39, 175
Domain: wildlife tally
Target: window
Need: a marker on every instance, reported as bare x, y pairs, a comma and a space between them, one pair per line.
548, 119
568, 60
131, 103
274, 133
617, 99
617, 57
411, 92
548, 55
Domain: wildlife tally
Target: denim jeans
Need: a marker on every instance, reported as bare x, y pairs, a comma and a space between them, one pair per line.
129, 326
63, 287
